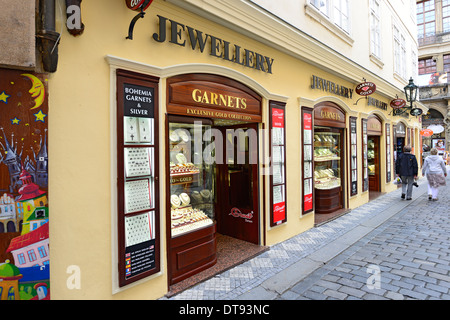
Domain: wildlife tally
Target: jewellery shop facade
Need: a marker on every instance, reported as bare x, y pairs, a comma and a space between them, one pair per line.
197, 143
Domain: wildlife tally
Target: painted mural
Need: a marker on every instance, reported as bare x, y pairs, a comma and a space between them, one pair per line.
24, 215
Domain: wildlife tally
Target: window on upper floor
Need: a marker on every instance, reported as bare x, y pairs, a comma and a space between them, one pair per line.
375, 28
445, 15
335, 10
399, 53
427, 65
446, 59
426, 19
321, 5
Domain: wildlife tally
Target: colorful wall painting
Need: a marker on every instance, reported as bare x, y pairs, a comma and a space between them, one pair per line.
24, 214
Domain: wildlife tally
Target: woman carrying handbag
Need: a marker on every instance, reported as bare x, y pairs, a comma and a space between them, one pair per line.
435, 171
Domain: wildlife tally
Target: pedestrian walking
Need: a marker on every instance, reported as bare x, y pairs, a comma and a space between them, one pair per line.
406, 168
435, 171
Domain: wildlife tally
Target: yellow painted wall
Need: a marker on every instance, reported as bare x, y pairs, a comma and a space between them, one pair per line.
82, 228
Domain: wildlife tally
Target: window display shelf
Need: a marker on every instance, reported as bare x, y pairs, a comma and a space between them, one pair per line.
191, 185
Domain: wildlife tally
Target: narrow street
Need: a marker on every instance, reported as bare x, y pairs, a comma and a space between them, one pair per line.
387, 249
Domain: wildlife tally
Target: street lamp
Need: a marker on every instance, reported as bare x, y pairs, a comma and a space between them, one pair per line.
411, 96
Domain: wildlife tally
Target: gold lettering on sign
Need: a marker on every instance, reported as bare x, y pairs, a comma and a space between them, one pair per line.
221, 100
330, 115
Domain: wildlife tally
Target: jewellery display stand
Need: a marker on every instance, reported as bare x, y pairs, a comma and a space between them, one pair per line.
137, 177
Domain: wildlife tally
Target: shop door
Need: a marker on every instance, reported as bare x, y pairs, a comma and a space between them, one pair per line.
237, 210
373, 157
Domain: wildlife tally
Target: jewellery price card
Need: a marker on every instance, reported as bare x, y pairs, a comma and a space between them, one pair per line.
137, 195
138, 161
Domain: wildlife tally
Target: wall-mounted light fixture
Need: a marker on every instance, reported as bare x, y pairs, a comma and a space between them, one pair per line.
411, 96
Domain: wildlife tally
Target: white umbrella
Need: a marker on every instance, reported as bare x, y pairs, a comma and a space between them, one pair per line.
436, 128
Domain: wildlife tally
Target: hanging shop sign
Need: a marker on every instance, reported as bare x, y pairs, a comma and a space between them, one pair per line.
138, 5
426, 132
183, 35
397, 103
329, 86
365, 88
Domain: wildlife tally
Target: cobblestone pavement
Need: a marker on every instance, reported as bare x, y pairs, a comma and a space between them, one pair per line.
388, 249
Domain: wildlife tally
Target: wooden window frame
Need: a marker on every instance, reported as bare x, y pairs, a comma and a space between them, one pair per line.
123, 78
280, 106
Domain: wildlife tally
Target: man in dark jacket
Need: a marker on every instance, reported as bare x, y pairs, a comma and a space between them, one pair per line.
406, 168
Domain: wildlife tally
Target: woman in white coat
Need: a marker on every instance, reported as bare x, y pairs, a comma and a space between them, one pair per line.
435, 171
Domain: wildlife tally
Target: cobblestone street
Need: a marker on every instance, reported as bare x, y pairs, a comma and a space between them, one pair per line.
389, 249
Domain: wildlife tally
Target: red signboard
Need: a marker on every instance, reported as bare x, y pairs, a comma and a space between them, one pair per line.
398, 103
278, 118
307, 117
426, 132
137, 5
279, 211
308, 202
365, 88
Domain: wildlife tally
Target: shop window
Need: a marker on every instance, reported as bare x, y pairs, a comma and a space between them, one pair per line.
308, 154
388, 153
353, 157
278, 164
365, 164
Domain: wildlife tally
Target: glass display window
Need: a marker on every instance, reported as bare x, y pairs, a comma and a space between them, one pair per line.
327, 159
192, 183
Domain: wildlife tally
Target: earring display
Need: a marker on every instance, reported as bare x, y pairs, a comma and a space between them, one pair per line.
137, 162
137, 195
139, 228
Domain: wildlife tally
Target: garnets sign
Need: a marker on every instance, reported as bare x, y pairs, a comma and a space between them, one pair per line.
397, 103
365, 88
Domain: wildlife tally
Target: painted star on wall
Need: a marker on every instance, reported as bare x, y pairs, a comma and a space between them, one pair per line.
15, 121
4, 97
40, 116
